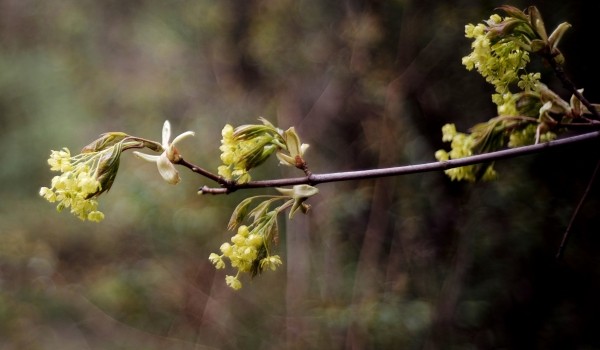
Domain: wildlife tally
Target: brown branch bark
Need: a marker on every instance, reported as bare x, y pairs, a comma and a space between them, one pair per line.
315, 179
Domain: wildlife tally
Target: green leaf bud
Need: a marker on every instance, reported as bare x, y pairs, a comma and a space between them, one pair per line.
239, 213
537, 23
538, 45
107, 170
106, 140
514, 12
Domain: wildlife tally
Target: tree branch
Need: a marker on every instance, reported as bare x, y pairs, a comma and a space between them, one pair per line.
201, 171
315, 179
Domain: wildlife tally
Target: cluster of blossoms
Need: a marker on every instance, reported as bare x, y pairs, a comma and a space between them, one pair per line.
248, 146
462, 145
501, 51
524, 136
83, 178
500, 60
250, 248
245, 148
248, 252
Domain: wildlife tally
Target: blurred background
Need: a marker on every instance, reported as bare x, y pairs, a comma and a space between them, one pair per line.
412, 262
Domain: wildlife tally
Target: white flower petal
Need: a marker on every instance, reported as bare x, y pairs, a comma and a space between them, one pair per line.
146, 157
183, 136
166, 134
167, 169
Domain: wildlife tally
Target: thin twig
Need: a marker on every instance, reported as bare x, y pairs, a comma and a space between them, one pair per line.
563, 243
201, 171
569, 85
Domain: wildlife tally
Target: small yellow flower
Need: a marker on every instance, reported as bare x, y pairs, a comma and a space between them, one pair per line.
226, 249
233, 282
442, 155
270, 262
96, 216
217, 260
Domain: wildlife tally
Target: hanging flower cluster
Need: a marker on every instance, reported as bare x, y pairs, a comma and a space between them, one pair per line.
250, 248
78, 184
248, 252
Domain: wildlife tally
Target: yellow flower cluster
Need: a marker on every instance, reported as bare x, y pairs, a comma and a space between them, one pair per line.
247, 252
501, 48
232, 168
245, 148
76, 187
499, 61
506, 104
461, 146
528, 135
